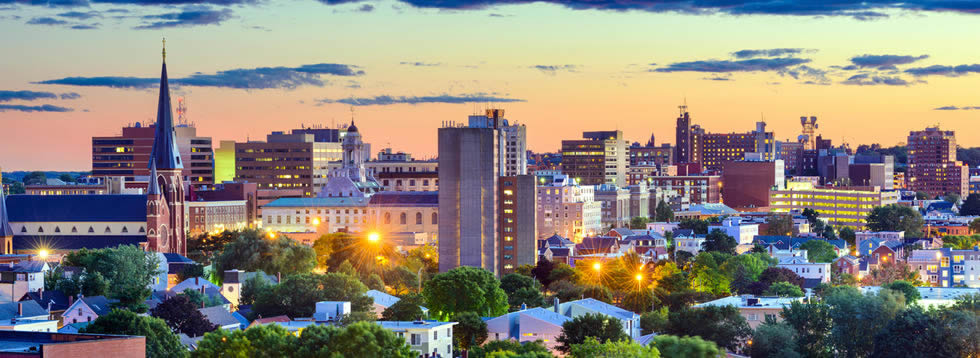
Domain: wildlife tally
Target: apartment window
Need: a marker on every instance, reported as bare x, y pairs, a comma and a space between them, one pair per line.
416, 339
435, 219
435, 335
402, 219
418, 218
387, 218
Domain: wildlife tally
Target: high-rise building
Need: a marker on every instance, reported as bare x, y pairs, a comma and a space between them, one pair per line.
933, 168
512, 141
809, 137
712, 150
599, 158
848, 206
746, 184
468, 171
682, 144
126, 155
286, 161
517, 213
615, 203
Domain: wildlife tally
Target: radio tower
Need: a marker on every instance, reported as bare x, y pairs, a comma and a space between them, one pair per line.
182, 120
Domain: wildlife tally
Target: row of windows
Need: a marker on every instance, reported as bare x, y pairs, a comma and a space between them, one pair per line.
91, 230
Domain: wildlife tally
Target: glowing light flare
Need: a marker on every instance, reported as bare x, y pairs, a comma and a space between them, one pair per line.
639, 277
43, 253
374, 237
597, 266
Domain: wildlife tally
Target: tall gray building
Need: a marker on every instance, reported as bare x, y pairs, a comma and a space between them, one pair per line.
511, 141
468, 171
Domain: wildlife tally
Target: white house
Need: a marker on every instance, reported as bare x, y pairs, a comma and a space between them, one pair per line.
743, 232
331, 310
662, 227
527, 326
807, 270
383, 300
428, 338
86, 309
630, 320
691, 243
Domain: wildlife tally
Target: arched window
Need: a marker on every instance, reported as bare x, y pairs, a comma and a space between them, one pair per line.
403, 219
418, 218
387, 218
435, 219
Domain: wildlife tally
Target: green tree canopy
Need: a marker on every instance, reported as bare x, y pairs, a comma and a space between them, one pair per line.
910, 291
639, 222
779, 224
408, 308
520, 290
774, 340
699, 226
360, 339
592, 348
470, 330
720, 242
297, 295
663, 213
811, 323
784, 289
858, 318
819, 251
464, 289
160, 340
706, 276
894, 217
600, 327
654, 321
685, 347
723, 325
253, 250
128, 269
511, 349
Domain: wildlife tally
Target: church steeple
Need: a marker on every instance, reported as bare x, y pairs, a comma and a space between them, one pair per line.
165, 153
153, 187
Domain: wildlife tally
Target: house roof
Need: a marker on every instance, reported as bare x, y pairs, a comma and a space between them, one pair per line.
546, 315
646, 340
219, 315
382, 298
194, 282
788, 242
58, 300
259, 321
243, 322
556, 240
712, 209
623, 232
176, 258
77, 208
405, 198
75, 242
604, 308
560, 251
98, 304
24, 266
597, 243
8, 310
315, 202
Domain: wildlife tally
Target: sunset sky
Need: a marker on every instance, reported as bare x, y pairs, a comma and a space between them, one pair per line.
870, 71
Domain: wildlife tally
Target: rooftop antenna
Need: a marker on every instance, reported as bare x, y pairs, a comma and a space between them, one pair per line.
164, 50
351, 114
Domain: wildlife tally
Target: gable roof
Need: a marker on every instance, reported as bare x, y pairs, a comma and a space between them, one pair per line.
8, 310
24, 266
98, 304
219, 315
76, 208
261, 321
546, 315
597, 244
604, 308
558, 241
382, 298
623, 232
176, 258
58, 300
243, 322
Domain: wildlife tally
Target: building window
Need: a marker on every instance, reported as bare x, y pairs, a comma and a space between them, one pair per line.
416, 339
418, 218
403, 219
435, 219
387, 218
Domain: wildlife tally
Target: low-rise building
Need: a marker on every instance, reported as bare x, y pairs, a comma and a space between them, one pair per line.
428, 338
743, 233
755, 309
396, 212
813, 273
847, 206
87, 309
54, 344
328, 215
573, 309
528, 325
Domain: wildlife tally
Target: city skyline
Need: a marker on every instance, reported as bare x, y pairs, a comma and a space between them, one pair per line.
558, 70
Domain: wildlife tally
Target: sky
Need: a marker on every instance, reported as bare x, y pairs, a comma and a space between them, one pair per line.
870, 71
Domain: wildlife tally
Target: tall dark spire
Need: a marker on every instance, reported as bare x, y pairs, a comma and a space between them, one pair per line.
165, 153
5, 229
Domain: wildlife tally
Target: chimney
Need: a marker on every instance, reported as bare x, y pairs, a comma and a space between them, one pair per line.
49, 306
555, 302
20, 309
279, 277
71, 300
197, 281
202, 304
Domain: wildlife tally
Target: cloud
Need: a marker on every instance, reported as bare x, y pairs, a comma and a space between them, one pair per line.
883, 62
41, 108
420, 64
189, 16
85, 27
955, 108
385, 100
865, 79
70, 95
552, 69
6, 96
809, 74
366, 8
718, 78
939, 70
80, 15
772, 52
49, 21
751, 65
255, 78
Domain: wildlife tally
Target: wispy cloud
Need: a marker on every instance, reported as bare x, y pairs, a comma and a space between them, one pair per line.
41, 108
80, 15
6, 96
883, 62
955, 108
553, 69
385, 100
865, 79
189, 16
751, 65
46, 21
255, 78
420, 63
772, 52
939, 70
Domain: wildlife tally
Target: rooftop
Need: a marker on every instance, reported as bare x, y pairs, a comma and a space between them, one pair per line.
76, 208
314, 202
403, 325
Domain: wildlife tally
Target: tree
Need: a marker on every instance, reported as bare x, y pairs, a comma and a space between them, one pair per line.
567, 291
699, 226
323, 247
816, 225
252, 250
952, 198
252, 287
374, 282
55, 280
774, 340
663, 213
601, 293
720, 242
128, 269
182, 316
521, 290
753, 263
894, 217
707, 277
858, 318
482, 293
297, 295
685, 347
971, 206
67, 178
408, 308
542, 272
828, 233
160, 340
361, 339
612, 349
94, 284
723, 325
778, 274
197, 299
784, 289
910, 291
779, 224
512, 348
204, 247
811, 322
402, 280
819, 251
470, 330
35, 178
639, 300
600, 327
917, 333
847, 234
639, 222
563, 271
654, 321
190, 271
889, 271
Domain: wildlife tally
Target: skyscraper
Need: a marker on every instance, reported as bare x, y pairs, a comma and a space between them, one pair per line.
511, 141
599, 158
682, 139
517, 213
468, 171
933, 168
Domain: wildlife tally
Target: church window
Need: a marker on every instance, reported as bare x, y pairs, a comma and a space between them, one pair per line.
125, 230
57, 229
23, 229
107, 230
387, 218
435, 219
141, 229
74, 229
418, 218
40, 229
403, 219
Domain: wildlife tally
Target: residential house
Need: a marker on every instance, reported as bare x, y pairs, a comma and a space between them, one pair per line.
428, 338
663, 227
885, 252
16, 279
755, 309
848, 264
528, 325
86, 309
743, 232
331, 311
686, 240
572, 309
813, 273
261, 321
597, 245
556, 249
219, 316
52, 301
231, 287
787, 245
383, 300
620, 233
26, 316
170, 266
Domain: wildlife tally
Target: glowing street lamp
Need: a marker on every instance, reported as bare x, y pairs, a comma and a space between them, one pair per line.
597, 266
639, 277
43, 253
374, 237
316, 221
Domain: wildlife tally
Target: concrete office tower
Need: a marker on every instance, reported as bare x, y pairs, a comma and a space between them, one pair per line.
518, 223
599, 158
126, 155
286, 161
682, 139
512, 141
467, 198
933, 168
809, 136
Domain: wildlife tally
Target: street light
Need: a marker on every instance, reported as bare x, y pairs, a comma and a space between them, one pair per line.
43, 253
374, 237
597, 266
